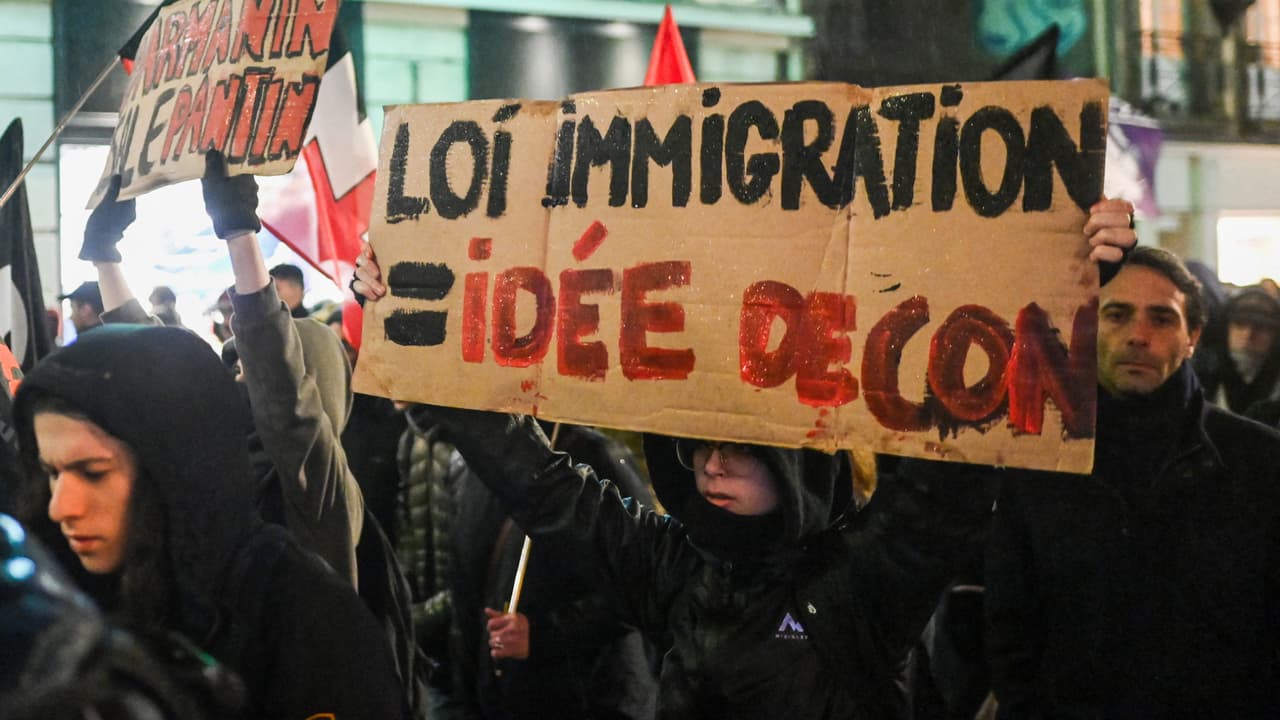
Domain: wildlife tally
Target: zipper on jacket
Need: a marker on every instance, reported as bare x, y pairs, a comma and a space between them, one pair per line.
726, 587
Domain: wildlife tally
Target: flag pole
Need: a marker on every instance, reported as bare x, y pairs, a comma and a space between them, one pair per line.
62, 125
514, 605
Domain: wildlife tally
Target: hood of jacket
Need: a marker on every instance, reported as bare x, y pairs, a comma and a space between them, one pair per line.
814, 490
324, 359
163, 392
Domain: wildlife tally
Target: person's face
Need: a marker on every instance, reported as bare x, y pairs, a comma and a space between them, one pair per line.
91, 476
1253, 340
730, 476
84, 316
290, 292
1142, 331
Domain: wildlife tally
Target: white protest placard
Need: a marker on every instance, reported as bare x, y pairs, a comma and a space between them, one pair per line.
237, 76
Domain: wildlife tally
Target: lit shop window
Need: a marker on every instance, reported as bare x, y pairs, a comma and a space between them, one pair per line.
1248, 248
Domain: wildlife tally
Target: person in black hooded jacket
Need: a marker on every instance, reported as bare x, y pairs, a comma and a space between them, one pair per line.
139, 436
766, 602
765, 598
296, 380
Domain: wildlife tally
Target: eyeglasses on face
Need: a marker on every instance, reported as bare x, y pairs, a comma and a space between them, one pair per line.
735, 458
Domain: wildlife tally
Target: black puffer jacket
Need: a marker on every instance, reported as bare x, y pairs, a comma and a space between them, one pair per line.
424, 516
243, 591
790, 615
1149, 589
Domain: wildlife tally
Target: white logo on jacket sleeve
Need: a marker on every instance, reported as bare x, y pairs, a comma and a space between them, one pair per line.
790, 629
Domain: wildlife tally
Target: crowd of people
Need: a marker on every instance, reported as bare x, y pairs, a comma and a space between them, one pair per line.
235, 534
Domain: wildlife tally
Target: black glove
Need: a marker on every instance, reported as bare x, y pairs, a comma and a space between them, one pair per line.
500, 447
232, 202
106, 226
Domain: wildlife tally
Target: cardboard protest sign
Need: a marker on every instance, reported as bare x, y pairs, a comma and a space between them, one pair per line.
812, 264
238, 76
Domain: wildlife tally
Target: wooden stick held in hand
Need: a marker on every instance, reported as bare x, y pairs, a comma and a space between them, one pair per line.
514, 605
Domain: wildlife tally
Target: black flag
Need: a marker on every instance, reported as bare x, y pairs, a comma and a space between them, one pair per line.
129, 51
1037, 60
1228, 12
22, 316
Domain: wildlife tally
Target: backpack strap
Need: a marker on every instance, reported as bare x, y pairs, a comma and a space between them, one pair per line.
237, 638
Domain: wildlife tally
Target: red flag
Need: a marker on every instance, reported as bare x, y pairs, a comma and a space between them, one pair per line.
669, 63
323, 212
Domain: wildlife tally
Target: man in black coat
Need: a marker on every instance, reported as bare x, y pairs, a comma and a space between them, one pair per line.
1148, 589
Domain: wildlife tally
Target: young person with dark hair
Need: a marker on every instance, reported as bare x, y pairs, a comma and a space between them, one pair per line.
296, 379
291, 286
133, 439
